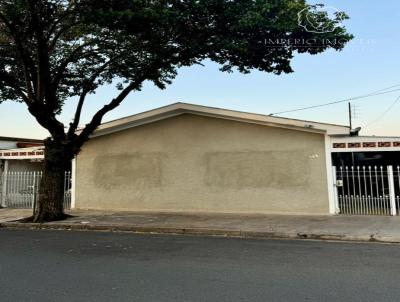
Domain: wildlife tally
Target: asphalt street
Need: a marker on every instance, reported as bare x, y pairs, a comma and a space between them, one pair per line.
92, 266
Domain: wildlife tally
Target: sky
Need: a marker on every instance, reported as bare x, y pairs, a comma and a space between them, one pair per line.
369, 63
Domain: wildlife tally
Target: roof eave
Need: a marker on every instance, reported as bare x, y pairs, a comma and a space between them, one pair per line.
184, 108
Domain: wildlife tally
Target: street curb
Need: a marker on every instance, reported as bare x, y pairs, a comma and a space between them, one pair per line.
198, 231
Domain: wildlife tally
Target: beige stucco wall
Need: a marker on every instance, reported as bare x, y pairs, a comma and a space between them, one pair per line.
200, 164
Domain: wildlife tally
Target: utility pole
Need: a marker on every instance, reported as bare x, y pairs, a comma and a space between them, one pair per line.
351, 126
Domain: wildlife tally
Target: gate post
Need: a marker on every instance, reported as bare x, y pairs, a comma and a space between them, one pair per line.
34, 193
73, 183
4, 185
335, 190
392, 197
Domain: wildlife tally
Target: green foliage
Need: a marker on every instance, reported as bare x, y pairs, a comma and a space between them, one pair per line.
51, 50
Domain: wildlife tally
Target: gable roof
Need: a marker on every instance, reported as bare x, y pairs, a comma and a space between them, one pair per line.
20, 139
245, 117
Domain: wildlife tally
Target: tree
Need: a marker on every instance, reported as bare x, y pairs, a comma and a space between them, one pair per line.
54, 50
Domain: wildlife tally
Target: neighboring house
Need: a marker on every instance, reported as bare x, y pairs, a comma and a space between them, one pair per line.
366, 174
17, 142
192, 158
21, 172
366, 151
20, 154
20, 163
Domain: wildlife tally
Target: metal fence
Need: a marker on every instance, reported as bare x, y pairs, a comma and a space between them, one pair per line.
367, 190
20, 189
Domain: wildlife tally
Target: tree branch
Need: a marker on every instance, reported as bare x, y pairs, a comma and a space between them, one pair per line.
53, 42
61, 68
68, 11
134, 85
75, 123
97, 118
44, 85
24, 57
11, 82
47, 120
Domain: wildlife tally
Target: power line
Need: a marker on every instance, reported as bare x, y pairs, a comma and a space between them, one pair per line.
374, 93
384, 113
336, 102
387, 88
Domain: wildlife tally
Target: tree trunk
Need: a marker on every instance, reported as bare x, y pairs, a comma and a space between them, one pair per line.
49, 205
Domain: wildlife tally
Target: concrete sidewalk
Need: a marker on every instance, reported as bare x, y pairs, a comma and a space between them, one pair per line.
348, 228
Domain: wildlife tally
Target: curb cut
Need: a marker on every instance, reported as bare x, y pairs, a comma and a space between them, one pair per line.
198, 232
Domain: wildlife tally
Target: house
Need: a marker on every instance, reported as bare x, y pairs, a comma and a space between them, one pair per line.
366, 174
20, 162
20, 154
190, 158
366, 151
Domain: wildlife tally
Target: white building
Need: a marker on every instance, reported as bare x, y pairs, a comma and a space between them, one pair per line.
20, 154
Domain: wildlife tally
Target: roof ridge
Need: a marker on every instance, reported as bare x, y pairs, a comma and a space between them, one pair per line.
225, 109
